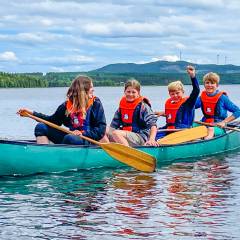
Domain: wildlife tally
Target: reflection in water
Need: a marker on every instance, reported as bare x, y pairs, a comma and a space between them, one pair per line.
134, 194
197, 200
198, 197
129, 195
134, 198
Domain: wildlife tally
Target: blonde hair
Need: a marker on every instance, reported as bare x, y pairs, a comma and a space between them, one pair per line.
211, 77
132, 83
78, 93
175, 86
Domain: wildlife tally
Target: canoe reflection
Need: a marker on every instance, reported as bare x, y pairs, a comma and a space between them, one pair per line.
199, 195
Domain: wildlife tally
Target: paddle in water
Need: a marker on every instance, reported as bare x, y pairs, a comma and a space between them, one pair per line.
132, 157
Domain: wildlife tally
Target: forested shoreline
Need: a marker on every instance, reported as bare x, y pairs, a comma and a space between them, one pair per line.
63, 79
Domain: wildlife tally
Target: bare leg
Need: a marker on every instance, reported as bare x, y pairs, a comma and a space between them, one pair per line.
42, 140
108, 135
119, 136
210, 133
105, 139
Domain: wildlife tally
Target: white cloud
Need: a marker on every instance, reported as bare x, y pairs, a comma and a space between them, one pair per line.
57, 69
30, 37
135, 29
169, 58
61, 60
180, 46
36, 37
46, 22
8, 57
44, 33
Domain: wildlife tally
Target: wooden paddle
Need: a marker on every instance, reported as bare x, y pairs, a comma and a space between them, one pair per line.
135, 158
185, 135
170, 130
234, 124
214, 125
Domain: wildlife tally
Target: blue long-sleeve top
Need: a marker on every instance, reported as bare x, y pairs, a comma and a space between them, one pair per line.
224, 105
97, 119
185, 114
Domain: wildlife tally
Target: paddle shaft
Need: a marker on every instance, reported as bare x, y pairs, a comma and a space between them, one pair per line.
213, 125
171, 130
61, 128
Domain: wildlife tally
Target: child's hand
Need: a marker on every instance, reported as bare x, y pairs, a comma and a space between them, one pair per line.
76, 132
159, 114
23, 112
221, 124
191, 71
151, 143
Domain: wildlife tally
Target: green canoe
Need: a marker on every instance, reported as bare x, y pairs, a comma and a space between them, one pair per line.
27, 157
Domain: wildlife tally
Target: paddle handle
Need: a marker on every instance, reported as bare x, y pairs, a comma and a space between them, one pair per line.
213, 125
50, 124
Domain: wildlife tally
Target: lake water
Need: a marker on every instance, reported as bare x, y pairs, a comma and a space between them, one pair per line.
198, 200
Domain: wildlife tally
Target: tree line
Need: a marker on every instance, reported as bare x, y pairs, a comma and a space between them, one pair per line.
12, 80
28, 80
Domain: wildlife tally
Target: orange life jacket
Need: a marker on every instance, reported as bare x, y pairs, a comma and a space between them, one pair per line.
127, 110
209, 104
171, 109
78, 121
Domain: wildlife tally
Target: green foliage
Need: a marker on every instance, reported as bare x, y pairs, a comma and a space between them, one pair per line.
10, 80
52, 79
117, 79
166, 67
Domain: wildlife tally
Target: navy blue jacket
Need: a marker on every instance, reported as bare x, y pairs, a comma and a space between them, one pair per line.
185, 114
97, 120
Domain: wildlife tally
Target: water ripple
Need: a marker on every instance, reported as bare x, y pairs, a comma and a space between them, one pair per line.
192, 200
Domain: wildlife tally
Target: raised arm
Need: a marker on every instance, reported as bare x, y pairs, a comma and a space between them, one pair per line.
196, 89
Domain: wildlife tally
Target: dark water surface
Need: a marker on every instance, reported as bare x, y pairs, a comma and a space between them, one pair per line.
191, 200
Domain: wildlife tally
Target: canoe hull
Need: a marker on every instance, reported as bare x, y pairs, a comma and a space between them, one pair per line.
24, 158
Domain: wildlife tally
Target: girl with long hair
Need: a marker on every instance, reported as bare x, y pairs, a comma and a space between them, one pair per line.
82, 113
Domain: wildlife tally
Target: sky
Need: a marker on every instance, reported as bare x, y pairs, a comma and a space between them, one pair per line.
80, 35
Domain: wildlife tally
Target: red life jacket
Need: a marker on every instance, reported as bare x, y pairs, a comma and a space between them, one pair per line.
77, 119
127, 110
171, 109
209, 104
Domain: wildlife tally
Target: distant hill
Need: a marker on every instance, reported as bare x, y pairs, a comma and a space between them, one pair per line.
154, 73
166, 67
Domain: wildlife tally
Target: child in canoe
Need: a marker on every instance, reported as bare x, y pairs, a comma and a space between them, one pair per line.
82, 113
215, 104
179, 109
134, 122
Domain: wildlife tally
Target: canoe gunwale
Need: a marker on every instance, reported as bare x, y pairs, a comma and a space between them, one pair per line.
33, 143
26, 157
92, 146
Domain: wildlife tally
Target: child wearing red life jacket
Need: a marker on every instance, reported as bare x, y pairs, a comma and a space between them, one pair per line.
215, 104
134, 122
179, 109
82, 113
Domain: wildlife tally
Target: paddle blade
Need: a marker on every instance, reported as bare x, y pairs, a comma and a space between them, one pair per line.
184, 136
133, 157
